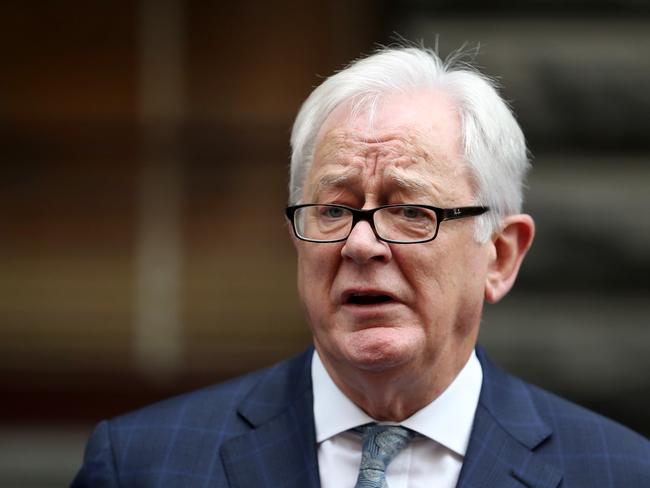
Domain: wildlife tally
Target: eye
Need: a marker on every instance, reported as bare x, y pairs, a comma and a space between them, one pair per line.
332, 212
412, 212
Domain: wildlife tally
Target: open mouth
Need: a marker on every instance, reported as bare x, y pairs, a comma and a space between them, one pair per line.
363, 299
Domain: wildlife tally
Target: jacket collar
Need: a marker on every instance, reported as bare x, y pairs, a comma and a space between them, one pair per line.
280, 450
507, 430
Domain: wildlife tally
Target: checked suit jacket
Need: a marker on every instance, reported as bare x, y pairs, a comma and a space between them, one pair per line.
258, 431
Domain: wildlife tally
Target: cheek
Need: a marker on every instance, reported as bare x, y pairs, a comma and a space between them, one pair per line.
316, 270
423, 271
444, 280
465, 284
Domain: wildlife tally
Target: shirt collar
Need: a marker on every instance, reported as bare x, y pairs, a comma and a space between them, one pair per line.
447, 420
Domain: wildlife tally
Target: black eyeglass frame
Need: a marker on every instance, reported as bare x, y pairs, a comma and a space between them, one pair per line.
368, 215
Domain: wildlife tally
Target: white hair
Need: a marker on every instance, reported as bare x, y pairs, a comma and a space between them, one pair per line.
493, 143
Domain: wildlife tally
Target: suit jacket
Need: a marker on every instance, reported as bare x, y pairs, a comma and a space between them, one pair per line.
258, 431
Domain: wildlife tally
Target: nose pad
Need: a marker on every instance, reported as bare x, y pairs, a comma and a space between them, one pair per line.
363, 244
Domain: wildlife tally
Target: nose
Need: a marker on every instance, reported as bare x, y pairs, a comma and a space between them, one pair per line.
362, 245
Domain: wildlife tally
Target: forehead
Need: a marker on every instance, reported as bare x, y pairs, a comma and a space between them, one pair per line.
414, 139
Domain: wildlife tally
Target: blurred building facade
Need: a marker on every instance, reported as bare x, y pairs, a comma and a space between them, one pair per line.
145, 150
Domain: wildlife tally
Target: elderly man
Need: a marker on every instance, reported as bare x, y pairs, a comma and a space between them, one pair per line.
406, 192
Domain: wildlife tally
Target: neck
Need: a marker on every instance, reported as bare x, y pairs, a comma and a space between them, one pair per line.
396, 394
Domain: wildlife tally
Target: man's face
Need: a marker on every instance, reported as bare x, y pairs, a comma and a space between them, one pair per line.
375, 306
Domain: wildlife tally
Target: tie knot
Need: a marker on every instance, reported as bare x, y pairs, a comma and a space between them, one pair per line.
381, 443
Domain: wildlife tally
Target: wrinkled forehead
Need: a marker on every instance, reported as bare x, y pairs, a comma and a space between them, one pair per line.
408, 139
407, 142
346, 154
422, 124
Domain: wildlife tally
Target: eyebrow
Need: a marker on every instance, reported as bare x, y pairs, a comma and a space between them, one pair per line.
344, 179
338, 179
408, 183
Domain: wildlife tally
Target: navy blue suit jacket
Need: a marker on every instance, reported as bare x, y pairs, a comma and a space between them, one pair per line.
258, 431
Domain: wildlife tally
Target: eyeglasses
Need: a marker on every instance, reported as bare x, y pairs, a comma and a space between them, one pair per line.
399, 224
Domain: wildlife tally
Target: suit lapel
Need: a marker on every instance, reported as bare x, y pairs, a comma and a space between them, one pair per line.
495, 458
280, 450
506, 432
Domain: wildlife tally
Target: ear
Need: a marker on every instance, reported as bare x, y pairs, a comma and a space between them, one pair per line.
510, 246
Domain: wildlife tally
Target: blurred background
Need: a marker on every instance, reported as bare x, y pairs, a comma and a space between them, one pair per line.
144, 152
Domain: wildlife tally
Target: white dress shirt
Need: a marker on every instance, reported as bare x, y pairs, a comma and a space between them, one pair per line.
432, 459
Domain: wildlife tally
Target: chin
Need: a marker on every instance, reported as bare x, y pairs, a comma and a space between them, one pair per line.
380, 349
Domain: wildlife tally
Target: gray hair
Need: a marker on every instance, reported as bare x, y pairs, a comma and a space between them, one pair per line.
493, 143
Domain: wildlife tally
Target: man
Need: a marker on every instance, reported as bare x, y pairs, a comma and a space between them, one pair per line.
406, 185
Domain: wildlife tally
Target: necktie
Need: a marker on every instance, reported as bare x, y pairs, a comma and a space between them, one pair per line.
381, 443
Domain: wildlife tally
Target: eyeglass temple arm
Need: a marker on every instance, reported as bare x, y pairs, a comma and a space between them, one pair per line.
460, 212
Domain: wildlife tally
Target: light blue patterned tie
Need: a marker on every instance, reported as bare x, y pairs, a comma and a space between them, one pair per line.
381, 443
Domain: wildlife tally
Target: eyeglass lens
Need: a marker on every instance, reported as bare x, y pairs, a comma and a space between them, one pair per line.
400, 223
